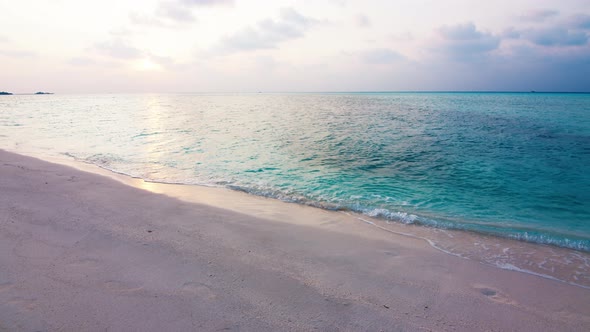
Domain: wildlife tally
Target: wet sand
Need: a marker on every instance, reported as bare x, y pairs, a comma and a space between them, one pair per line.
84, 252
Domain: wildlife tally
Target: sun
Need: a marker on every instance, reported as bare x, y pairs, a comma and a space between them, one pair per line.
147, 65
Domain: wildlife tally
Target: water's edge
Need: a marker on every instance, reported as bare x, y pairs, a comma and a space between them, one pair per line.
388, 216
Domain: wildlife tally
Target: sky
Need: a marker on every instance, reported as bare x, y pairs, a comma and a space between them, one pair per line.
128, 46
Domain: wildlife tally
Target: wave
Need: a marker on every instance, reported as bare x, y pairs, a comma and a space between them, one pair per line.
482, 259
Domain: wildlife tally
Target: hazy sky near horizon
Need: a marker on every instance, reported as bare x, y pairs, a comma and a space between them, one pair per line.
330, 45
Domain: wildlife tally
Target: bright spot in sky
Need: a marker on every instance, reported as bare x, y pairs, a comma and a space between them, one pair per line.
147, 65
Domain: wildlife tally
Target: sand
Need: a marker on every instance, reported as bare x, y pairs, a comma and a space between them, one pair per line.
82, 251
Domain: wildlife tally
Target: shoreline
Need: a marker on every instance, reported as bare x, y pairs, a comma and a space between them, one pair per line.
84, 251
519, 237
567, 265
493, 231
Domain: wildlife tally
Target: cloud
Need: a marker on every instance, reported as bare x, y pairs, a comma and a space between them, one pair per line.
539, 15
175, 12
208, 2
464, 41
340, 3
557, 36
511, 33
362, 21
465, 31
18, 54
121, 32
381, 56
580, 21
544, 69
81, 61
292, 16
171, 13
403, 36
267, 34
147, 20
118, 49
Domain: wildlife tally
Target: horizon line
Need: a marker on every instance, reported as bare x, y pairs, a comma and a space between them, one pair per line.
311, 92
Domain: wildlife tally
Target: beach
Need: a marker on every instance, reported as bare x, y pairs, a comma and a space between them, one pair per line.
84, 251
223, 165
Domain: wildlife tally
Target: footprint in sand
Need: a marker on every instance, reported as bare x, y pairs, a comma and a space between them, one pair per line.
85, 263
79, 268
22, 303
198, 289
488, 292
121, 287
391, 253
494, 295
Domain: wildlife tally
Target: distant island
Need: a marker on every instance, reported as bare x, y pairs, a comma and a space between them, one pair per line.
4, 93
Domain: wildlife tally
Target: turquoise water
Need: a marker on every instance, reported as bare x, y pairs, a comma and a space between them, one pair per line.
509, 164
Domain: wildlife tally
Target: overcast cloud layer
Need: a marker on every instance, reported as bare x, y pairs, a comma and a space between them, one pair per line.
234, 46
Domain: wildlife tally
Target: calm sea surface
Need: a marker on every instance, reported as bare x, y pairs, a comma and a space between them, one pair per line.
510, 164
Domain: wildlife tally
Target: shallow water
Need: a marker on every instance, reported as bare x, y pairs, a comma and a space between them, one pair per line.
507, 164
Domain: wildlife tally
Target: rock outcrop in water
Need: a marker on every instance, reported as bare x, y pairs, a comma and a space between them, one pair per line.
43, 93
4, 93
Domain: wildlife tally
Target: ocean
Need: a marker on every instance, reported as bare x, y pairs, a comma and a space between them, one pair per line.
513, 165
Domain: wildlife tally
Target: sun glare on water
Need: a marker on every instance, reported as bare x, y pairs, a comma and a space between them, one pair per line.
147, 65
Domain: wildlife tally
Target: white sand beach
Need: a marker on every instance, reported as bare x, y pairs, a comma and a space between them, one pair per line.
81, 251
